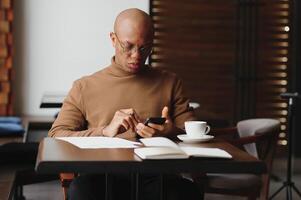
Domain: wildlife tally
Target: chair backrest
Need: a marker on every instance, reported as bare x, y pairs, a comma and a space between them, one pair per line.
264, 148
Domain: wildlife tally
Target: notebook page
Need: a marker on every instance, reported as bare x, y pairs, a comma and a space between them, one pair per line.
160, 153
206, 152
158, 142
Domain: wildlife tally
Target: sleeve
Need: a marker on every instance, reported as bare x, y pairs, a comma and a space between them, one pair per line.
181, 111
71, 120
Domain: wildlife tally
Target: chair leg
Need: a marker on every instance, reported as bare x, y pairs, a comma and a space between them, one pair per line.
65, 191
264, 193
18, 195
66, 179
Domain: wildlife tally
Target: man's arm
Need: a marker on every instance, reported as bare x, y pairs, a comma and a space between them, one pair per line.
71, 120
180, 110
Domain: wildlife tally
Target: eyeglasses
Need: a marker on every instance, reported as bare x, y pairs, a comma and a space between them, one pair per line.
130, 48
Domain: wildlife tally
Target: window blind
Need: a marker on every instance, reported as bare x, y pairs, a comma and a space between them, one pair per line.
197, 40
273, 61
233, 55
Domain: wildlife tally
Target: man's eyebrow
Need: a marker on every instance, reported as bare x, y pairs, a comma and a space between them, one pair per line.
146, 44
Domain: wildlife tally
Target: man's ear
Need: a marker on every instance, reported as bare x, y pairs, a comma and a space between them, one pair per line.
113, 39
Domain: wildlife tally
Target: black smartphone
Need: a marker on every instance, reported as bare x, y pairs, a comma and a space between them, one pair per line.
155, 120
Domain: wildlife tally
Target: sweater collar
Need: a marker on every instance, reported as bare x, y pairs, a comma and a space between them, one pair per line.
117, 69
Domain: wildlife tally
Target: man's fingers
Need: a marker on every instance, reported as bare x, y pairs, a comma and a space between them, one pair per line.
156, 126
131, 112
136, 117
131, 122
128, 120
144, 131
125, 124
165, 112
149, 130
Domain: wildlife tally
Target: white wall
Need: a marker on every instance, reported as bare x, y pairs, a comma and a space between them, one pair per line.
59, 41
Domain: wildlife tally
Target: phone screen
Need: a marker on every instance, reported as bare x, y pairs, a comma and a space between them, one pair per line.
155, 120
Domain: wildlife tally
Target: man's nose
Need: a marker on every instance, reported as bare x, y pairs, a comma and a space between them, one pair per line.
136, 53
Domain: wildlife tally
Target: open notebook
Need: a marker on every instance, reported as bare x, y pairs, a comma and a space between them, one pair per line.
164, 148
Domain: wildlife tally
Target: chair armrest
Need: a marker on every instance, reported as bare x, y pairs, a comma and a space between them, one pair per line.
248, 139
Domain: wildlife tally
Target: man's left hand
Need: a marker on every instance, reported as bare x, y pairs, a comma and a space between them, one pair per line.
155, 129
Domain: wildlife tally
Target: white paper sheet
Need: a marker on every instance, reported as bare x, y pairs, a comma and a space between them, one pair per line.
100, 142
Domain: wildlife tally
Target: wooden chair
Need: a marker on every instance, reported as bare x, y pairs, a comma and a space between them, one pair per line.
258, 137
66, 179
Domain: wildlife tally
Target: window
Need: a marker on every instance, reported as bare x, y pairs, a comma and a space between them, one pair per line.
233, 55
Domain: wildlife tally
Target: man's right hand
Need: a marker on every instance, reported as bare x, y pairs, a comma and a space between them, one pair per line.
123, 120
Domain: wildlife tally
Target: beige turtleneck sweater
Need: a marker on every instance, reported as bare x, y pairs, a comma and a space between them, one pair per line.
93, 100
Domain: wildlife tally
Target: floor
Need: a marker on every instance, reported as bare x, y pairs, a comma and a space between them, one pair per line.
52, 190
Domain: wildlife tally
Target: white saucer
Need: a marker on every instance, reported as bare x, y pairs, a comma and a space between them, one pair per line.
187, 139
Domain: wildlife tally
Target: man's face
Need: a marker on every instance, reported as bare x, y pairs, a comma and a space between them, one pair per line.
131, 49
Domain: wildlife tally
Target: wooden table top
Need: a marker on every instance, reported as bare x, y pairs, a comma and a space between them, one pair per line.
56, 156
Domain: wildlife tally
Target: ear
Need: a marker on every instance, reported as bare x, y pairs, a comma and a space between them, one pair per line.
113, 39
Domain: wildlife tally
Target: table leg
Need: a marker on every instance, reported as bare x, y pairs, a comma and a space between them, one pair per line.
135, 186
108, 193
161, 187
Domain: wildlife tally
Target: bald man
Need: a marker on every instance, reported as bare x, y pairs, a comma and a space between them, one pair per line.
116, 100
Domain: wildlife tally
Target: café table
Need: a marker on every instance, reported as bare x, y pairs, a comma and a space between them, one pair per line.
57, 156
52, 100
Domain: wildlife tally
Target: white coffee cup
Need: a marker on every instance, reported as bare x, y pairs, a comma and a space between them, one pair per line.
196, 128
